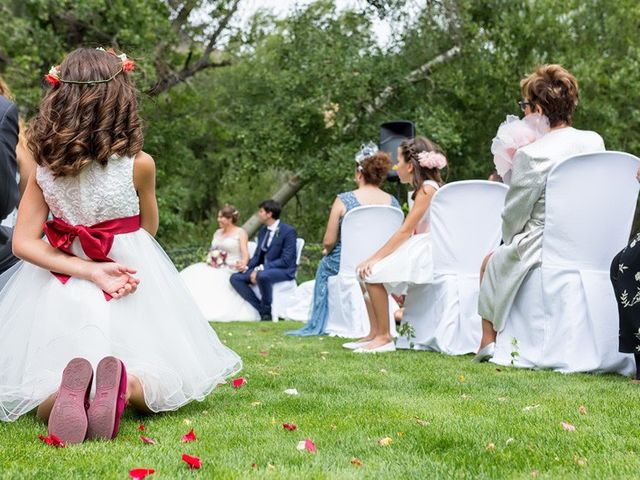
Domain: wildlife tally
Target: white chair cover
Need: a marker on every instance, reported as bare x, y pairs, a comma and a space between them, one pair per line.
565, 316
282, 291
364, 230
465, 227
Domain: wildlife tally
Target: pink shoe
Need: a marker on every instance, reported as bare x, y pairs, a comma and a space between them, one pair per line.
109, 403
68, 418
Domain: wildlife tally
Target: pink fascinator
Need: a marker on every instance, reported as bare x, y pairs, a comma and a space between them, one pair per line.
432, 160
515, 133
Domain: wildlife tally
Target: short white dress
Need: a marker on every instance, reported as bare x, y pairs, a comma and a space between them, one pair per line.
411, 263
215, 296
158, 331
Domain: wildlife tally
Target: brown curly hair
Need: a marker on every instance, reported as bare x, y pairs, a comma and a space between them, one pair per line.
230, 212
555, 90
375, 168
410, 149
81, 123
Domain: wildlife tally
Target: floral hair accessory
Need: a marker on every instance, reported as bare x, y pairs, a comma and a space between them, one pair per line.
432, 160
54, 76
366, 150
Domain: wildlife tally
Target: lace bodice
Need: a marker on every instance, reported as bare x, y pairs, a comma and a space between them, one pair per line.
230, 244
97, 194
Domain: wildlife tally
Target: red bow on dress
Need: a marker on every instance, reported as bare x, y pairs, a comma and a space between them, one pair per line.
95, 240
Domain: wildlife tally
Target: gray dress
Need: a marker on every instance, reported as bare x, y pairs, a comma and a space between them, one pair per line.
523, 218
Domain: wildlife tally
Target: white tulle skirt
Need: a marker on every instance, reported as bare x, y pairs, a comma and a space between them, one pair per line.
217, 299
411, 263
158, 332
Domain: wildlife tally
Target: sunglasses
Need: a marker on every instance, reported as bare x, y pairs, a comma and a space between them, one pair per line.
523, 105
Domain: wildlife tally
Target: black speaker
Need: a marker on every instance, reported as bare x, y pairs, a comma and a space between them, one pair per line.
391, 135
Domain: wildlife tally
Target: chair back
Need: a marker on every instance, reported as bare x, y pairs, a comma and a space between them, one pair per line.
364, 230
590, 204
465, 224
299, 247
251, 247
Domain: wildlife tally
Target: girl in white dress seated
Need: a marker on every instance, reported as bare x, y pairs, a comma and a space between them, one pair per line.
209, 282
99, 293
406, 258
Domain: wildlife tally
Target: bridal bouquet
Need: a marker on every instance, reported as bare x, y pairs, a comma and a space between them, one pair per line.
216, 257
515, 133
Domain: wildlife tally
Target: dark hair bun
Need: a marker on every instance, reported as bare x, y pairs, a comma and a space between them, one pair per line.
375, 168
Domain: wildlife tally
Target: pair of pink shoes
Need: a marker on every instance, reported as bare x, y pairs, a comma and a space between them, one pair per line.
72, 418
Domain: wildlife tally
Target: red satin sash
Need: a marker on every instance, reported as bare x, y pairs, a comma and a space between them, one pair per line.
96, 240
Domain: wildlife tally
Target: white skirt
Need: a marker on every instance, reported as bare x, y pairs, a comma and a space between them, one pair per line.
411, 263
158, 332
217, 299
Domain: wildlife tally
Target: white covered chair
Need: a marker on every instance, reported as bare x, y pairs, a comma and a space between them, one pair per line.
364, 230
565, 316
282, 291
465, 226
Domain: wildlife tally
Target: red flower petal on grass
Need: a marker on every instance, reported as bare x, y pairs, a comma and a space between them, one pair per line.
289, 426
141, 427
140, 473
238, 382
193, 462
148, 440
189, 437
52, 440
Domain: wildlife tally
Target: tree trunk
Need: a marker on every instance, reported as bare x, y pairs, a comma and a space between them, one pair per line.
287, 191
283, 195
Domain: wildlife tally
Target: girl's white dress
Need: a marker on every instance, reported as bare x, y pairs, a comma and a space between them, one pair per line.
411, 263
211, 289
158, 331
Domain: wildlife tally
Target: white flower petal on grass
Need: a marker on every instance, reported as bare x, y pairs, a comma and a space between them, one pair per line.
291, 391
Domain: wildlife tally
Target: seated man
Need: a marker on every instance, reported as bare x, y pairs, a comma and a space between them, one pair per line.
273, 261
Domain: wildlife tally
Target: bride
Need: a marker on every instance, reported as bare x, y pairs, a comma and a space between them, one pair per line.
209, 282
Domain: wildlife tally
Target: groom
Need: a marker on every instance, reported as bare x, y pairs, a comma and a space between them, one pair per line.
273, 261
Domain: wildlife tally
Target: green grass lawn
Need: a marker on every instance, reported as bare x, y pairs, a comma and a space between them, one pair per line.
446, 417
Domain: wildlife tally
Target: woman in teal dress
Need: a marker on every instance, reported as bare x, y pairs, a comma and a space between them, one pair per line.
371, 171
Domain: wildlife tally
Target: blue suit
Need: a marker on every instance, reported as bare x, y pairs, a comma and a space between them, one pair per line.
279, 261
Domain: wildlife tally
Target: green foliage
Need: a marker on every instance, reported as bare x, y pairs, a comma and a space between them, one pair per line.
296, 98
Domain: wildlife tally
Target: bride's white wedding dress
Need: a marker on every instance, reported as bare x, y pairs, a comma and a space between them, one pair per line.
217, 299
158, 331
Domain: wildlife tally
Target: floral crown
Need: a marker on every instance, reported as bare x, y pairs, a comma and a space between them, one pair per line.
54, 76
432, 160
366, 150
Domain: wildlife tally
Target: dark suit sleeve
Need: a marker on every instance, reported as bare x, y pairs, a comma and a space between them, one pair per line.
253, 261
288, 258
9, 192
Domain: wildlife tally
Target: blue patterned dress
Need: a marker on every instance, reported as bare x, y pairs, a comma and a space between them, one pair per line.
328, 267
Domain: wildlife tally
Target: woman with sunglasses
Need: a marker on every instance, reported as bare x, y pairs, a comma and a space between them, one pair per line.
553, 92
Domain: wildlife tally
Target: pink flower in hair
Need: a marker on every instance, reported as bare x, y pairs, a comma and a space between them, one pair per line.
432, 160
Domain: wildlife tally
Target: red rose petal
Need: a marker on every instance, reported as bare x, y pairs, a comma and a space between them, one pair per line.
193, 462
289, 426
148, 440
238, 382
141, 427
140, 473
52, 440
189, 437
